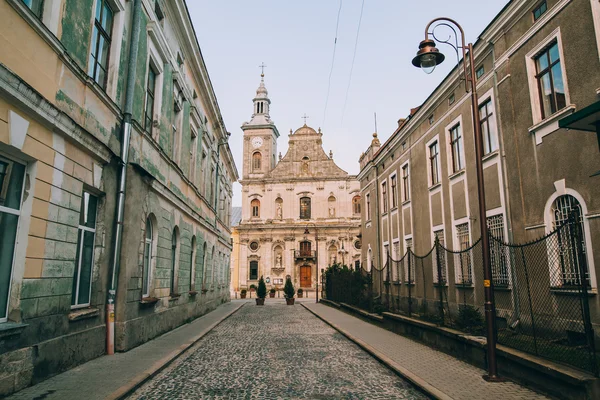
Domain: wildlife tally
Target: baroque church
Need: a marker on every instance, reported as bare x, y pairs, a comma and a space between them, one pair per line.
300, 212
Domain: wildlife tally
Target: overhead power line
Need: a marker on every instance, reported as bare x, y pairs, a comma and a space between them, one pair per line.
353, 58
337, 25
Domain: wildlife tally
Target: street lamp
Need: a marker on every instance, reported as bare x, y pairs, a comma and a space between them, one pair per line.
427, 58
306, 232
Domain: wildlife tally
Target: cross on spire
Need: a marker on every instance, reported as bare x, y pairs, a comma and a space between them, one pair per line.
305, 117
262, 69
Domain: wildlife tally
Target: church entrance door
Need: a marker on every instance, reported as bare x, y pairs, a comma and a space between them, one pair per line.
305, 278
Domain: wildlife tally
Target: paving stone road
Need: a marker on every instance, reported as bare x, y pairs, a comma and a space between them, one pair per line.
276, 352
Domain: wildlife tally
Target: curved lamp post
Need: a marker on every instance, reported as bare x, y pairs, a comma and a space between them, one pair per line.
306, 232
427, 58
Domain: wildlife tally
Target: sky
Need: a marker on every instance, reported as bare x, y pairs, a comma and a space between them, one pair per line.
296, 41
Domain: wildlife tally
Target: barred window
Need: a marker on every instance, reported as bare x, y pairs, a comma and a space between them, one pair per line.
464, 271
409, 264
439, 276
568, 257
499, 255
396, 265
255, 205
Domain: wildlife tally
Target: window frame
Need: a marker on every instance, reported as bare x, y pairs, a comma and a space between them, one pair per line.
356, 206
307, 213
255, 208
151, 94
107, 38
175, 247
368, 206
433, 164
148, 245
81, 230
17, 213
456, 148
461, 245
489, 120
384, 199
479, 72
40, 5
256, 161
539, 8
250, 265
405, 181
545, 53
394, 190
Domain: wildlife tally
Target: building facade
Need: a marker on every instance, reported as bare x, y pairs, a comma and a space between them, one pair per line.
300, 212
102, 103
421, 184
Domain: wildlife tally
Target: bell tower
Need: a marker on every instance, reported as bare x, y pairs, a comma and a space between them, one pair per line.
260, 136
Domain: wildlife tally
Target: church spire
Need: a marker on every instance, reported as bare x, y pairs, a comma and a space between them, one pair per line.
262, 101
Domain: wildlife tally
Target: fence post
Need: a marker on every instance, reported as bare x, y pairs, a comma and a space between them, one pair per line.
577, 237
439, 273
409, 254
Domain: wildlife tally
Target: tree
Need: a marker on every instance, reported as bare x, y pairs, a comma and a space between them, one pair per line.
288, 289
261, 292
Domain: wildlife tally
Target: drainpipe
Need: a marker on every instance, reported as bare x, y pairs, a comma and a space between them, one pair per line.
377, 205
118, 234
221, 142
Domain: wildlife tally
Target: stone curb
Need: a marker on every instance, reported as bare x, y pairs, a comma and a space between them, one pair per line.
164, 362
417, 381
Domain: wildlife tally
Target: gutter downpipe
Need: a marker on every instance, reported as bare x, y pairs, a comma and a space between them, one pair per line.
379, 244
118, 234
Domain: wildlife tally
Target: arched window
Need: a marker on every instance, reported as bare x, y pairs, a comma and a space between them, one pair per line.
204, 255
255, 206
356, 205
147, 259
305, 208
212, 268
256, 161
193, 265
174, 260
562, 209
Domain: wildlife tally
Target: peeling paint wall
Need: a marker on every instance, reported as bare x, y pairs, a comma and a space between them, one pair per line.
77, 30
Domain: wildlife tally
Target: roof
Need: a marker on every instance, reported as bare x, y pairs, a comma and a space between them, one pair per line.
236, 216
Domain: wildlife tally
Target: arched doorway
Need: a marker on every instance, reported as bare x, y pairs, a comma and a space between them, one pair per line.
305, 276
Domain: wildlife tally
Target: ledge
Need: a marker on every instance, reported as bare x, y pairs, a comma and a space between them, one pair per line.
83, 313
174, 296
550, 124
435, 186
11, 329
149, 300
193, 292
457, 174
572, 292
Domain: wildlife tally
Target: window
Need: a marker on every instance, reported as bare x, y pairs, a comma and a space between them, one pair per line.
193, 264
101, 37
499, 255
256, 162
147, 259
356, 205
305, 249
539, 10
386, 262
568, 256
305, 208
193, 152
84, 262
550, 81
384, 197
12, 177
394, 187
174, 261
480, 71
357, 244
254, 245
409, 264
396, 265
405, 183
434, 163
439, 276
255, 206
488, 127
150, 89
451, 99
456, 145
463, 259
253, 270
368, 200
36, 6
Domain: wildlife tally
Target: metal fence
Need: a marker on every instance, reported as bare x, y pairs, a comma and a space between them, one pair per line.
540, 290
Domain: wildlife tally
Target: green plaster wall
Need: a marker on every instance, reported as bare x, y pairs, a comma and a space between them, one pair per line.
140, 73
76, 30
122, 81
186, 140
166, 116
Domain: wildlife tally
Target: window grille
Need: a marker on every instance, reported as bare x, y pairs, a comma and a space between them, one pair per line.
499, 255
439, 276
409, 246
463, 259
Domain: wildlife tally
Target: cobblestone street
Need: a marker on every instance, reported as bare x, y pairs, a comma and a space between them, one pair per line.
275, 352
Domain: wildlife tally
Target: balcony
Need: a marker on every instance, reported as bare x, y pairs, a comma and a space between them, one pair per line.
304, 255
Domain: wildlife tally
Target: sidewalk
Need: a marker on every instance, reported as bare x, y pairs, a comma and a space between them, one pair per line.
438, 374
110, 377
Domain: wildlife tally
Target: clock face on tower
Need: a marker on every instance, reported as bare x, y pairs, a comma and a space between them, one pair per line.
257, 142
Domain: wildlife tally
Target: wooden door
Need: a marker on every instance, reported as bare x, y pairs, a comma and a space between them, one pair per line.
305, 278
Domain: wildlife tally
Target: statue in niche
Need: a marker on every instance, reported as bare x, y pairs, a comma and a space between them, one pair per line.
305, 167
278, 261
332, 211
279, 211
332, 261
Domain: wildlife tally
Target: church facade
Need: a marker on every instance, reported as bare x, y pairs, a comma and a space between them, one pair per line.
300, 212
